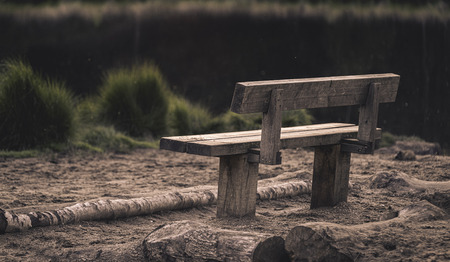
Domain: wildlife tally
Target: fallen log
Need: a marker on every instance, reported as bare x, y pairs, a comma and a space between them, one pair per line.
401, 182
322, 241
417, 147
436, 192
283, 190
193, 241
120, 208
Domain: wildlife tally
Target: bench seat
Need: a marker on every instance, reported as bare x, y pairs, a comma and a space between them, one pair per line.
234, 143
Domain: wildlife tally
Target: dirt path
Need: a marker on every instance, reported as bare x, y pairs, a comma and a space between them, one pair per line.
58, 181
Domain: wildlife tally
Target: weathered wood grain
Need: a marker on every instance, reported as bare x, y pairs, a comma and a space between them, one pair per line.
322, 241
194, 241
352, 145
368, 116
178, 143
271, 130
290, 138
11, 221
330, 176
238, 180
253, 97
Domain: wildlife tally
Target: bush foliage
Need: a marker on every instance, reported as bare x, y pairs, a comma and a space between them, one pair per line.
135, 100
264, 41
33, 111
389, 139
186, 118
36, 112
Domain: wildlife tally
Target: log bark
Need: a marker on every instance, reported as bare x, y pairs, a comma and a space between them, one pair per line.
401, 182
193, 241
119, 208
106, 209
436, 192
322, 241
283, 190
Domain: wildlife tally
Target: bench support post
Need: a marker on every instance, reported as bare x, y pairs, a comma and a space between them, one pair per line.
271, 130
330, 176
368, 116
367, 126
237, 186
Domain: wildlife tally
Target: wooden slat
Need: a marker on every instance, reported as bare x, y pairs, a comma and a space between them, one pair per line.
178, 143
253, 97
240, 145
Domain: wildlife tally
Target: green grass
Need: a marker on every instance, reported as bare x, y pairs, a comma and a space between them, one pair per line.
389, 139
19, 154
186, 118
135, 100
87, 110
34, 111
106, 139
38, 115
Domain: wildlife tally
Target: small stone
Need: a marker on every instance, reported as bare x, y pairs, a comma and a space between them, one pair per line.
406, 155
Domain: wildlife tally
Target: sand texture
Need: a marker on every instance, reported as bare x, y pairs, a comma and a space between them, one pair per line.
57, 181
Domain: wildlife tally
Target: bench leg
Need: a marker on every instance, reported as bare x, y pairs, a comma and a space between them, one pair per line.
237, 186
330, 176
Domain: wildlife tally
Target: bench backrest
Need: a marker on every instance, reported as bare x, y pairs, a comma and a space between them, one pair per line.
273, 97
254, 97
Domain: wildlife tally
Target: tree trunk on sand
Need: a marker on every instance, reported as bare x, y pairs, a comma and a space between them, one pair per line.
436, 192
119, 208
401, 182
193, 241
322, 241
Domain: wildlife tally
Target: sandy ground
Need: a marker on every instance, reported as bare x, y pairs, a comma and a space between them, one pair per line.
47, 183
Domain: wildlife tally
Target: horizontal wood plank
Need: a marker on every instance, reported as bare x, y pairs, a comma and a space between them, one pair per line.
253, 97
178, 143
240, 142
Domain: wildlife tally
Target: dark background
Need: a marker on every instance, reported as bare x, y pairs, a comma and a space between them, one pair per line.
203, 53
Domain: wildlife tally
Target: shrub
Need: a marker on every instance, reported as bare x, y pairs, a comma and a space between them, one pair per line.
186, 118
236, 122
296, 118
33, 111
389, 139
135, 100
87, 110
231, 121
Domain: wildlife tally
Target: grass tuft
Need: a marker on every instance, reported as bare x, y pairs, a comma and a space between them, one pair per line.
101, 139
389, 139
34, 112
186, 118
135, 100
19, 154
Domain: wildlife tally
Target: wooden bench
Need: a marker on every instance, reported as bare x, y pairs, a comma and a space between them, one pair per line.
241, 152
